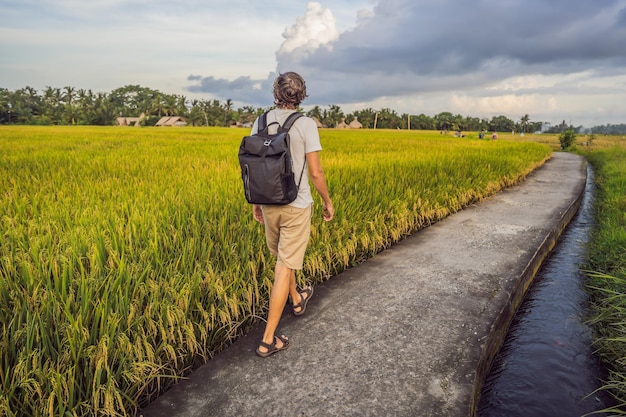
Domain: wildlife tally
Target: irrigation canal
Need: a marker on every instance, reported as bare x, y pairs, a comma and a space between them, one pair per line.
546, 366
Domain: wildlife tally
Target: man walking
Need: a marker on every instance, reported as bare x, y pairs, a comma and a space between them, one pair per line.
288, 227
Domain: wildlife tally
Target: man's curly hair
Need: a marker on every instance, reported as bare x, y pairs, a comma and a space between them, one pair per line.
289, 90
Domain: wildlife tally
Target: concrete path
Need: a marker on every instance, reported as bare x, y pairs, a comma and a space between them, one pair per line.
411, 332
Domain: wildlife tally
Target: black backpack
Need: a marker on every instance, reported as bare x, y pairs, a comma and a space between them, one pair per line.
266, 164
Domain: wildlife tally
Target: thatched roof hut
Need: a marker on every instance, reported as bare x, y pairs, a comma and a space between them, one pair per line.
342, 124
317, 122
171, 121
355, 124
130, 121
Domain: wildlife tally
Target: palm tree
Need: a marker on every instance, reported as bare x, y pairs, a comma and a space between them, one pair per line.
315, 112
333, 116
366, 117
422, 121
204, 106
52, 106
181, 108
85, 107
444, 120
68, 97
170, 105
524, 121
227, 108
23, 105
457, 123
248, 114
5, 105
156, 105
196, 115
105, 110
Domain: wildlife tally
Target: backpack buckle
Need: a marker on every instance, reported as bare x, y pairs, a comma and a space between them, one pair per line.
267, 142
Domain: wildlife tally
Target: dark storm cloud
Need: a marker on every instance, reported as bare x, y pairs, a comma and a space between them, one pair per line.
455, 36
621, 19
409, 46
254, 91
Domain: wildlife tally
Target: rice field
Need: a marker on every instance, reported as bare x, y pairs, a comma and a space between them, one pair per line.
129, 256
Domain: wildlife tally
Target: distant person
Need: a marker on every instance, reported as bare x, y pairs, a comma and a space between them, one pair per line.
494, 136
481, 135
288, 227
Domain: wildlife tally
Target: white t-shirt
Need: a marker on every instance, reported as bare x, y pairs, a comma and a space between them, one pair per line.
304, 139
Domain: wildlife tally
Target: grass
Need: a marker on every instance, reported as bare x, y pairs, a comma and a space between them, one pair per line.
607, 257
129, 256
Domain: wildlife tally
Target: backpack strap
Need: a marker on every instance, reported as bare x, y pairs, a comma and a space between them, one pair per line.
291, 120
262, 123
285, 127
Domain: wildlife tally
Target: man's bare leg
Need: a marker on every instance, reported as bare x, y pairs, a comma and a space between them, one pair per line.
284, 285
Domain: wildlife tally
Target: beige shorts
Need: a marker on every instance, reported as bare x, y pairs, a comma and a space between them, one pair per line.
287, 231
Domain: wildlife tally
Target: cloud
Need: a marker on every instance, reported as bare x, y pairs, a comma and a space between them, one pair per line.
411, 56
255, 91
461, 42
401, 48
316, 29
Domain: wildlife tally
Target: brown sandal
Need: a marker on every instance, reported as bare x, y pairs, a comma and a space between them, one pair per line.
308, 291
271, 348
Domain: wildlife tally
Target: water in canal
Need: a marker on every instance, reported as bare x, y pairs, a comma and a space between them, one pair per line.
546, 367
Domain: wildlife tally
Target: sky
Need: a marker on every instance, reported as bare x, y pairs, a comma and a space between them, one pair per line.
555, 60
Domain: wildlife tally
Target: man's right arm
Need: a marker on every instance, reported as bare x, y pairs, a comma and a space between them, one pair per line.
319, 182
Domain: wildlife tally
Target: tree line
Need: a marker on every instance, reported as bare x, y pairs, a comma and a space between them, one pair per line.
72, 106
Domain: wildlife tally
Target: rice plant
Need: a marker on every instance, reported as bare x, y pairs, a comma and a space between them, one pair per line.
129, 256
